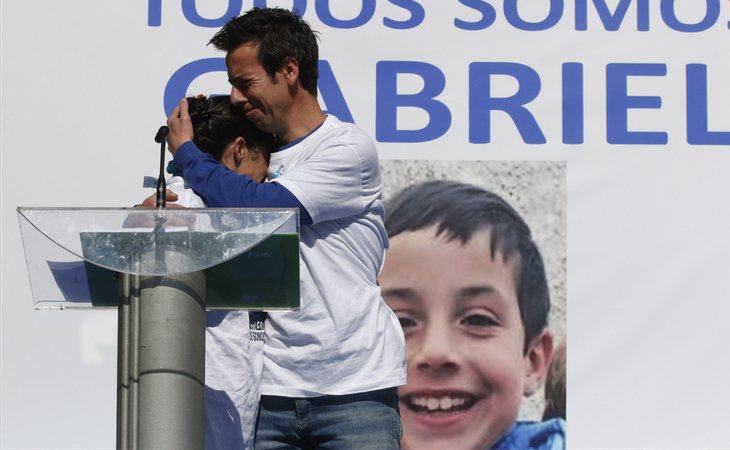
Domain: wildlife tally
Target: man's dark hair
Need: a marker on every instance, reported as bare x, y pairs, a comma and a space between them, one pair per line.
217, 123
279, 34
459, 210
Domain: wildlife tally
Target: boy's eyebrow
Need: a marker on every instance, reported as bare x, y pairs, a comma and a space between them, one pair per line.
401, 293
470, 292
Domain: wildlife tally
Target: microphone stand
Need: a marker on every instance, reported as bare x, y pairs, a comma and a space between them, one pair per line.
161, 201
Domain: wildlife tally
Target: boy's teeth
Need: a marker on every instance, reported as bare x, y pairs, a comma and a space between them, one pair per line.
433, 404
438, 403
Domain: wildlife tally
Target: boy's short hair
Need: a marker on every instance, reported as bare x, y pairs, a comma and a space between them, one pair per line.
459, 210
279, 34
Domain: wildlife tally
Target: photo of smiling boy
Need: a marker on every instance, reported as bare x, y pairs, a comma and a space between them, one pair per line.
468, 285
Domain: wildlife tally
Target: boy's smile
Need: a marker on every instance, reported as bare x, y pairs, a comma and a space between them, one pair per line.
458, 307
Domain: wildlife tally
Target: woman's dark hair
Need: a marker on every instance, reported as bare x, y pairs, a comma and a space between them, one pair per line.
279, 34
217, 123
459, 210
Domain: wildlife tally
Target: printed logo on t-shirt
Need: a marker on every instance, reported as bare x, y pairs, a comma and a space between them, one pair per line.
256, 330
278, 172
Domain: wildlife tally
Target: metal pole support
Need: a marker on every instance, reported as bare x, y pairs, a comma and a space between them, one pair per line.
167, 364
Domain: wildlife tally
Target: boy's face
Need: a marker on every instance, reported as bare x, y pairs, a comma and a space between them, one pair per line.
467, 372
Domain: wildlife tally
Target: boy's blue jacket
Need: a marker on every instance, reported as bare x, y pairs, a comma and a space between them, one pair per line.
548, 435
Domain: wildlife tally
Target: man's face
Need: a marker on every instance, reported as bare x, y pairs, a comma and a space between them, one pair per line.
464, 338
264, 101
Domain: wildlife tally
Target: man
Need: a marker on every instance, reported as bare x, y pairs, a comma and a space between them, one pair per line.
331, 368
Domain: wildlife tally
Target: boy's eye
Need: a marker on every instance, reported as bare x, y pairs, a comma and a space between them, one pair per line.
406, 322
478, 320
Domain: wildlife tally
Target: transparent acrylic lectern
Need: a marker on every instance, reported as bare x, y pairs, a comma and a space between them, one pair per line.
162, 268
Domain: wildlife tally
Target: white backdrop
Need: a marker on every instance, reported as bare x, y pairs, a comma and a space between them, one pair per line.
611, 87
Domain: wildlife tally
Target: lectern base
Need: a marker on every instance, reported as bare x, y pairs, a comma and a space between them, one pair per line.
161, 367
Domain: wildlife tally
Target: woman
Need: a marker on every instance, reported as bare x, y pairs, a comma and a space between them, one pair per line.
233, 352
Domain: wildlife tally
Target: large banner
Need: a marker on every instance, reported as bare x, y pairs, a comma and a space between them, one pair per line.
628, 97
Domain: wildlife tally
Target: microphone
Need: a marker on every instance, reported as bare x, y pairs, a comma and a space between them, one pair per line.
161, 134
161, 185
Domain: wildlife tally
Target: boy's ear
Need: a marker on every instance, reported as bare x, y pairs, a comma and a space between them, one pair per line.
537, 361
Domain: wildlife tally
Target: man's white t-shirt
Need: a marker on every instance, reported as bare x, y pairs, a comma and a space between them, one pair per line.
344, 339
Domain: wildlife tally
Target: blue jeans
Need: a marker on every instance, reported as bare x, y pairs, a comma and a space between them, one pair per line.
364, 421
